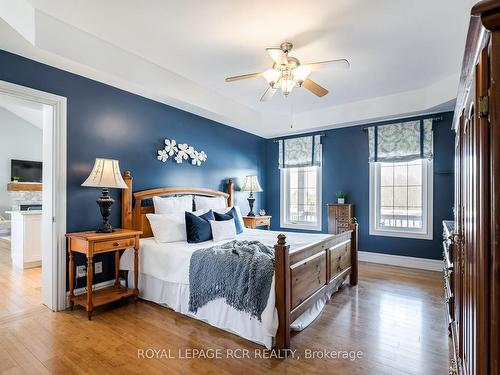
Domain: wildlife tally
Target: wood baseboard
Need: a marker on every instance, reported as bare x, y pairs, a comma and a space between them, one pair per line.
401, 261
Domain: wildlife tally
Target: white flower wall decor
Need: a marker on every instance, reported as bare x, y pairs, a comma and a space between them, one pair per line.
181, 152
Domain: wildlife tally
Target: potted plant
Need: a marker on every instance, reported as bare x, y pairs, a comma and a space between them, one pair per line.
341, 197
15, 179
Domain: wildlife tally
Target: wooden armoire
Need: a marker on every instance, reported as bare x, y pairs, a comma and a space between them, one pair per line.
474, 243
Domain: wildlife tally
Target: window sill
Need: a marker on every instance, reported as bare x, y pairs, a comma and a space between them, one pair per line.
400, 234
316, 228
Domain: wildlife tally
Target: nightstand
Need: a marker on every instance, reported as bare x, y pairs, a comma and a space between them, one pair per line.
91, 243
257, 221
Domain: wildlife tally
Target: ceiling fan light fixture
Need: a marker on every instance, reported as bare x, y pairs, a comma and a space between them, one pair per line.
272, 76
287, 86
287, 73
301, 73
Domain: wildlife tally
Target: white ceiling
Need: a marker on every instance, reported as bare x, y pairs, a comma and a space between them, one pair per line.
412, 49
29, 111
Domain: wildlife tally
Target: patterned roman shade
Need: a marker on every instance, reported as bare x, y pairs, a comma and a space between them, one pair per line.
300, 152
403, 141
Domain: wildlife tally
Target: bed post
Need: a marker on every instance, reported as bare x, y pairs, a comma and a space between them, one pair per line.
230, 191
353, 279
127, 201
282, 287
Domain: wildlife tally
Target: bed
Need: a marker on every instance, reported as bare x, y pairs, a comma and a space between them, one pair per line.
308, 268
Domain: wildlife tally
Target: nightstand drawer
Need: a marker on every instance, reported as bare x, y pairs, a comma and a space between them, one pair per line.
257, 221
114, 244
262, 221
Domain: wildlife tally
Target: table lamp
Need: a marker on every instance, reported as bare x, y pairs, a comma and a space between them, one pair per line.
105, 174
252, 185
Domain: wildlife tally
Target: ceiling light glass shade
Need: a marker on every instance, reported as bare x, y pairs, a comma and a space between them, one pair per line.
287, 86
301, 73
272, 76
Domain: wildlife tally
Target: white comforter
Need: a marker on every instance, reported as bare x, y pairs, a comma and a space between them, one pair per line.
169, 263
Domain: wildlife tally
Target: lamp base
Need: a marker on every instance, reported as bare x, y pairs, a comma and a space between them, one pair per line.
251, 201
105, 202
105, 228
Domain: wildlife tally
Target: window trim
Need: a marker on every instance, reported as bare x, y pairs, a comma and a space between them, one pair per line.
318, 226
427, 191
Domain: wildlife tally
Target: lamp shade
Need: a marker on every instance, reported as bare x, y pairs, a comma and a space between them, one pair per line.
105, 174
251, 184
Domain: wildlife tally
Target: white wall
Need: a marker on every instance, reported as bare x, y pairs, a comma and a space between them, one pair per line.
19, 139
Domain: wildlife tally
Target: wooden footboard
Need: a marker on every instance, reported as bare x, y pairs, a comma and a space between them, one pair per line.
307, 274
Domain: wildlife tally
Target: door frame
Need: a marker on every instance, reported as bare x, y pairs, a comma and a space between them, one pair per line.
54, 191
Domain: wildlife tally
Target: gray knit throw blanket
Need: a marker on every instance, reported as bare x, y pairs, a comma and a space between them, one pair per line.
241, 272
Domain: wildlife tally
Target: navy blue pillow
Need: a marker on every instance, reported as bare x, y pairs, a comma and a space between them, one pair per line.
198, 228
231, 214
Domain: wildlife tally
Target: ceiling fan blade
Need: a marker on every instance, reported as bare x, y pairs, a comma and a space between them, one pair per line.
277, 55
243, 76
268, 94
338, 63
314, 88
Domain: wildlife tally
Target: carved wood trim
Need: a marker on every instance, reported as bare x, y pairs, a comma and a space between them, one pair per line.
127, 202
482, 208
353, 226
282, 285
494, 229
148, 194
489, 11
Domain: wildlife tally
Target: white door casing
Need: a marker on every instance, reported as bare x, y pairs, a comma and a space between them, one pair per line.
54, 191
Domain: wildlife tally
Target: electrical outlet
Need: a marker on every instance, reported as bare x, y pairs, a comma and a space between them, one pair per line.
81, 271
98, 267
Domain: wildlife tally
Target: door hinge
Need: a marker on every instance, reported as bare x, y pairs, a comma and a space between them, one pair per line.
484, 106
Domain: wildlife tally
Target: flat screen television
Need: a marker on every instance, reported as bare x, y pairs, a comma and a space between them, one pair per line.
26, 171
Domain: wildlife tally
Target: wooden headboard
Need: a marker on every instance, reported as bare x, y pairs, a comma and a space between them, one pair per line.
134, 212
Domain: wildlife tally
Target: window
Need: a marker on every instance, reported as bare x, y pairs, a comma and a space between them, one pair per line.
301, 198
401, 199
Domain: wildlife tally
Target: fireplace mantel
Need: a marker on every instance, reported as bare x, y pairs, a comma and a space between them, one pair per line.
24, 186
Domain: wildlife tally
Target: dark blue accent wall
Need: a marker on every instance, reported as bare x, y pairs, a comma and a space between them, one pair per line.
104, 121
346, 168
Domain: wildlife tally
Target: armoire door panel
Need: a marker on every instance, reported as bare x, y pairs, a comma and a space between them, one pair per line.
476, 238
482, 211
494, 136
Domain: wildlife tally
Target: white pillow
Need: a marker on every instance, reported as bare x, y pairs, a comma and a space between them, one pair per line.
200, 212
209, 203
168, 227
173, 205
238, 212
223, 230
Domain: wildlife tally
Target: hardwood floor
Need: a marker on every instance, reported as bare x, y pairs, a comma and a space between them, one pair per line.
20, 290
395, 317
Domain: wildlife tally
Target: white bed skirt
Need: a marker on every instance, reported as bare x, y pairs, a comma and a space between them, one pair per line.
219, 314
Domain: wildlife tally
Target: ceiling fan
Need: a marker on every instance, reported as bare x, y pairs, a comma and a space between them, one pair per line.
287, 72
